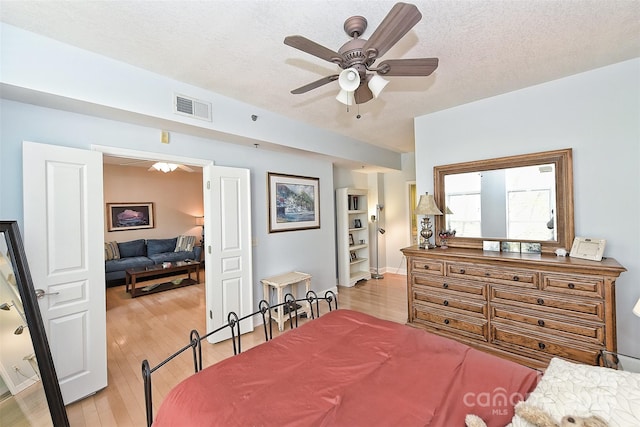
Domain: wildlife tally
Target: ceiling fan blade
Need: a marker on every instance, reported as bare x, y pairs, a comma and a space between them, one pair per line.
363, 94
313, 48
313, 85
400, 19
408, 67
186, 168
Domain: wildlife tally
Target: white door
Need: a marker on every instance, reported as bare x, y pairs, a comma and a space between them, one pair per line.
64, 235
227, 247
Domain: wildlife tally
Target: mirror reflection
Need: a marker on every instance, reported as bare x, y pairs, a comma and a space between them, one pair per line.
29, 388
23, 397
521, 198
516, 203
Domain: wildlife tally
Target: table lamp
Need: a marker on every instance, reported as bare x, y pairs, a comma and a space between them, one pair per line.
426, 206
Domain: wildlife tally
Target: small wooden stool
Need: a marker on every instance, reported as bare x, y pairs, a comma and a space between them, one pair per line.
279, 283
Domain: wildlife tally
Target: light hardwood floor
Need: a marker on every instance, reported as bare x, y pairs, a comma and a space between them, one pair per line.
154, 326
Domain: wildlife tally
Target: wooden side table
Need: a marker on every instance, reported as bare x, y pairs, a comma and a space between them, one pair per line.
280, 283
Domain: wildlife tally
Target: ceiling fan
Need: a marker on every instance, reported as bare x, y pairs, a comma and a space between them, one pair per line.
158, 166
358, 83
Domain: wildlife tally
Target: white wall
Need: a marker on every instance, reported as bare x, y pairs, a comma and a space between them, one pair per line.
597, 114
82, 81
311, 251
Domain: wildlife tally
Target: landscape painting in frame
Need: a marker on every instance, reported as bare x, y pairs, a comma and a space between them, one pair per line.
294, 202
130, 216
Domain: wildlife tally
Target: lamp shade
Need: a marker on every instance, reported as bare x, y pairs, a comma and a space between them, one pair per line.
636, 309
427, 206
349, 79
376, 84
346, 97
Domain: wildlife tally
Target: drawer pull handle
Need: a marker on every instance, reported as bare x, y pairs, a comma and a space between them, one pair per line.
445, 285
571, 286
462, 271
446, 321
426, 267
540, 322
540, 301
516, 279
446, 303
541, 346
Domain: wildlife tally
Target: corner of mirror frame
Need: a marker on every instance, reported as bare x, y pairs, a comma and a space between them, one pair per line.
563, 161
35, 324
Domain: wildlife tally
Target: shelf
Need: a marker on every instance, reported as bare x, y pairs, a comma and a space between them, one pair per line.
352, 232
356, 247
359, 275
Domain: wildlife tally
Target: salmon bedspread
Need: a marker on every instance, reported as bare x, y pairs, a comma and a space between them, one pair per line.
347, 368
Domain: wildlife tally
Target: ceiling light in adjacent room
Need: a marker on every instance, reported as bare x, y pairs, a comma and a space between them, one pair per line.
165, 167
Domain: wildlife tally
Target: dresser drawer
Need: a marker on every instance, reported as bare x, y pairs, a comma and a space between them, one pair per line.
531, 341
522, 278
576, 307
427, 266
451, 300
589, 286
592, 332
446, 320
468, 287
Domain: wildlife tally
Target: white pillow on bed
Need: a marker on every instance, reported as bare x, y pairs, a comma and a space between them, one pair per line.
573, 389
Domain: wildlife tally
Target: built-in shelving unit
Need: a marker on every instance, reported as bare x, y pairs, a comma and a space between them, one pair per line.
353, 236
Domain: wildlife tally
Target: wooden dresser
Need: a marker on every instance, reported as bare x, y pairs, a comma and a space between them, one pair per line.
524, 307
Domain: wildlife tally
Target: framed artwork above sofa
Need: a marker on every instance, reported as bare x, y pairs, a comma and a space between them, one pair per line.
130, 216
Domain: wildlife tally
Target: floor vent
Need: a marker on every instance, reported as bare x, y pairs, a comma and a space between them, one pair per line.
192, 107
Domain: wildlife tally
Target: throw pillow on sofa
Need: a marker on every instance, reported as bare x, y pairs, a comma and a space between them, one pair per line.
111, 251
185, 243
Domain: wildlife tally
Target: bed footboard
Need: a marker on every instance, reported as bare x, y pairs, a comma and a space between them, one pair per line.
233, 323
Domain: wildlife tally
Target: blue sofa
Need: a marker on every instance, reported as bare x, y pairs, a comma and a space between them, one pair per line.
142, 253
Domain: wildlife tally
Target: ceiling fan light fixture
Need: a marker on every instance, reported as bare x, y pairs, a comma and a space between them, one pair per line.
349, 79
165, 167
376, 84
346, 97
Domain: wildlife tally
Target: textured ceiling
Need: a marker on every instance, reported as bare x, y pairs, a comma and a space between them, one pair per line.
235, 48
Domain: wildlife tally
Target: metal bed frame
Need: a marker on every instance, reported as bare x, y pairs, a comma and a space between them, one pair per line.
233, 323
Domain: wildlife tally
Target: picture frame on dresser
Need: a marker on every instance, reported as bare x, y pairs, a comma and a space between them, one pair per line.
587, 248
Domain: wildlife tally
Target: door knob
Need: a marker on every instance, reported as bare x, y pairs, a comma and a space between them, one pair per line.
40, 293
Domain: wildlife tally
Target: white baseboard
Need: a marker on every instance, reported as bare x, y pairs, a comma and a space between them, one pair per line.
629, 363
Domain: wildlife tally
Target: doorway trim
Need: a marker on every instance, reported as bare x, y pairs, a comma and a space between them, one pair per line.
149, 155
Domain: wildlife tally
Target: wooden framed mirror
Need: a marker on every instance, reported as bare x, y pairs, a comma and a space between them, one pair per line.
16, 282
524, 198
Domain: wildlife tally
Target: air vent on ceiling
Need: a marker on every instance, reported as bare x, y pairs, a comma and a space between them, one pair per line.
192, 107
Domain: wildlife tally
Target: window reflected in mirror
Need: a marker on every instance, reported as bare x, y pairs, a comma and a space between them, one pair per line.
518, 203
522, 198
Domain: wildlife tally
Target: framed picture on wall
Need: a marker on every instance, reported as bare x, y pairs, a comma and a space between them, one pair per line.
294, 202
130, 216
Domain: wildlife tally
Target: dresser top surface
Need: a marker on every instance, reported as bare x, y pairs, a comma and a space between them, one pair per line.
608, 266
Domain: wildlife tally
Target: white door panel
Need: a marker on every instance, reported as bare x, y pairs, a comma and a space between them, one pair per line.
228, 243
64, 235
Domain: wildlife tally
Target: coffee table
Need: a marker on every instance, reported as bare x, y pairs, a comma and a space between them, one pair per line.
184, 267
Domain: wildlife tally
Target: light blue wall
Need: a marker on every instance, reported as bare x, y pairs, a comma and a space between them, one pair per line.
311, 251
597, 114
